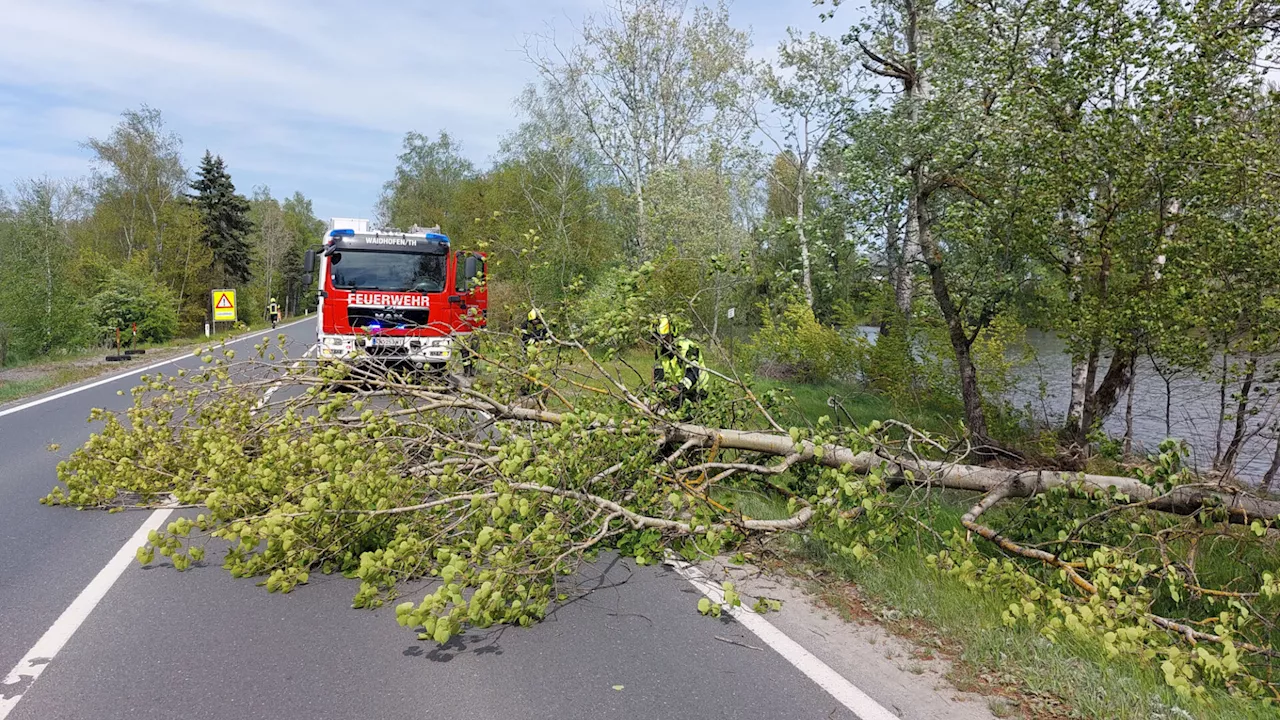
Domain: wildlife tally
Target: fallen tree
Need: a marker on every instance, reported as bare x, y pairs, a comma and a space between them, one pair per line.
556, 452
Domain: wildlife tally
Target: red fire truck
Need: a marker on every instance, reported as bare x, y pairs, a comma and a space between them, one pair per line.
396, 296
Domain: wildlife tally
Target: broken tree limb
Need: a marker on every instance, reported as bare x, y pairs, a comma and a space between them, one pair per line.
1241, 508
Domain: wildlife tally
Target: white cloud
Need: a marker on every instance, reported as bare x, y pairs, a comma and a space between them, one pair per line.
310, 95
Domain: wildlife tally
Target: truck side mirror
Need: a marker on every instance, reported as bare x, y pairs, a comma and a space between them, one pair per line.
309, 262
306, 279
472, 268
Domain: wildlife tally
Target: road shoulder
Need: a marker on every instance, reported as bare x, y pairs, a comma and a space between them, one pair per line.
909, 679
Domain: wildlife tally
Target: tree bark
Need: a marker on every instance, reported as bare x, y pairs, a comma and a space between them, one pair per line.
1242, 418
1075, 429
805, 269
1128, 419
1241, 508
1267, 478
904, 290
961, 341
1222, 411
1103, 401
897, 269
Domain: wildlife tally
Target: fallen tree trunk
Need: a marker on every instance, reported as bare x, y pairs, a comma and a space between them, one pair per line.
1241, 507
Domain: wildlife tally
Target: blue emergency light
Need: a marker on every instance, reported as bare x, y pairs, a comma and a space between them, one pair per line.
346, 232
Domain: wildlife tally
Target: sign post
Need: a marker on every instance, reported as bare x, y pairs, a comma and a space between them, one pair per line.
224, 306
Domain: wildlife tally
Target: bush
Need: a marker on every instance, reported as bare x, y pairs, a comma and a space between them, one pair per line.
128, 298
798, 346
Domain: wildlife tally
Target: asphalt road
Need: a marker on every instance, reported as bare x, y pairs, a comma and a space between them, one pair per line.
163, 644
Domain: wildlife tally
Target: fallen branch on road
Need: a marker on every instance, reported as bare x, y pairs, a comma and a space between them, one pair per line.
387, 478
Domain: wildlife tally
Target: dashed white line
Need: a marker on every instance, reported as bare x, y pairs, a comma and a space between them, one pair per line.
24, 674
848, 694
113, 378
266, 397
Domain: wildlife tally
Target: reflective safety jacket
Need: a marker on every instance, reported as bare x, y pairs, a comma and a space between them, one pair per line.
686, 364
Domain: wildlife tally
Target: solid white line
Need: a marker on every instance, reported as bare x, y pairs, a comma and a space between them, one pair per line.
24, 674
858, 702
136, 371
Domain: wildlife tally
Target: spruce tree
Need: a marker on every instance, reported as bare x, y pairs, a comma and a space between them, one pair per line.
226, 220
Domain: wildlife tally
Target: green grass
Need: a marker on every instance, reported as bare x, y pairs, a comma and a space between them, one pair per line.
57, 378
1075, 670
60, 370
856, 406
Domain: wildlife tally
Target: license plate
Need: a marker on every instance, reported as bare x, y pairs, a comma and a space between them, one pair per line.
386, 342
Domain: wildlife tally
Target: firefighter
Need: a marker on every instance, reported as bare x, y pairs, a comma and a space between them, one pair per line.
664, 347
273, 312
534, 328
678, 364
533, 331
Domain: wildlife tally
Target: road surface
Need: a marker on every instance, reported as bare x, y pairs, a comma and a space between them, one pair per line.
200, 644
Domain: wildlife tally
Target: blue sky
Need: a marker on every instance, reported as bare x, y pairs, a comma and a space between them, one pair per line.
310, 95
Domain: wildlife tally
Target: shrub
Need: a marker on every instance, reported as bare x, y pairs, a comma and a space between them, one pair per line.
128, 298
796, 345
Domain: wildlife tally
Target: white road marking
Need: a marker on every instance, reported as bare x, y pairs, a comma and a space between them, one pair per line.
266, 397
858, 702
113, 378
24, 674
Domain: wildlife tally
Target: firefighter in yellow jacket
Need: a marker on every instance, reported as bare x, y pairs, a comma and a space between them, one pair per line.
678, 364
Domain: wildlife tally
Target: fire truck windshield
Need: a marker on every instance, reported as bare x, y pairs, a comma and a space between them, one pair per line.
392, 271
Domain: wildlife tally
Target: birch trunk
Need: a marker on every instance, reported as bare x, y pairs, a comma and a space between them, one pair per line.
804, 240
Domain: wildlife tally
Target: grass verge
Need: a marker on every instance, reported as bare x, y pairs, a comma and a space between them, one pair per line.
40, 375
1027, 675
56, 377
1077, 672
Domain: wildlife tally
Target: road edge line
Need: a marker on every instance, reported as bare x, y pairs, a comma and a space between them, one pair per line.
836, 685
29, 668
98, 383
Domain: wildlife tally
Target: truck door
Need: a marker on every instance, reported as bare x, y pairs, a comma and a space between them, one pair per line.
473, 287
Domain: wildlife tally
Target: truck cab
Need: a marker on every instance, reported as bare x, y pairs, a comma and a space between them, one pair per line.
396, 296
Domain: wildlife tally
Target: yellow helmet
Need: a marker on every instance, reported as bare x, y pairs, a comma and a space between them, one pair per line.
664, 325
273, 300
534, 314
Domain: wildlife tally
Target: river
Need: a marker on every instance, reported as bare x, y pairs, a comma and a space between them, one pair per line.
1043, 386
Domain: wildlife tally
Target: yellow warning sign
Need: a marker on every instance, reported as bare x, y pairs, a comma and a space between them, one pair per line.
224, 305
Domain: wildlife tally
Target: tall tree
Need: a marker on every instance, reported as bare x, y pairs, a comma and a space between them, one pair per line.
561, 190
225, 215
811, 90
305, 230
652, 82
138, 175
426, 182
41, 301
272, 239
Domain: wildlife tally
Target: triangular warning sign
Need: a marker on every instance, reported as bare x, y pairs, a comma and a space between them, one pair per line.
224, 301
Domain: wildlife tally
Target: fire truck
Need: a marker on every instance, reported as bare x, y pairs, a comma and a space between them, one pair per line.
401, 297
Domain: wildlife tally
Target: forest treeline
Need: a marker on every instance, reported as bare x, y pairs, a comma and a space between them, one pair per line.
141, 242
952, 173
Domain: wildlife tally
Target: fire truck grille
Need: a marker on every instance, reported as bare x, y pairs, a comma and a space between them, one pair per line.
358, 317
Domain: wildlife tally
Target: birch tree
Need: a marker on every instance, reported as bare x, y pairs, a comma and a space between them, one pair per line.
811, 91
41, 302
138, 175
652, 81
